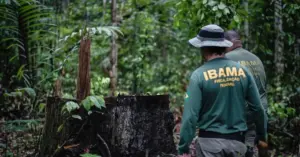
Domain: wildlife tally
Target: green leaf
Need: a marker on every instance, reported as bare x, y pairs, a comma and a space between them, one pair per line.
226, 11
71, 106
99, 101
14, 39
236, 18
90, 101
291, 111
212, 3
13, 94
13, 58
87, 104
219, 14
20, 72
29, 91
77, 117
60, 128
202, 16
221, 6
42, 107
95, 101
89, 155
215, 8
15, 46
204, 1
36, 17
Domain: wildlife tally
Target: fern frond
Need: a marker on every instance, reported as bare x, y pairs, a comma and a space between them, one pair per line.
24, 19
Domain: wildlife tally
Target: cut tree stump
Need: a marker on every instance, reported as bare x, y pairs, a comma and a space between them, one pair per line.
141, 126
51, 137
129, 126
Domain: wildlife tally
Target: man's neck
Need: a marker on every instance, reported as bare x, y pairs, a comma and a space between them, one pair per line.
214, 56
236, 44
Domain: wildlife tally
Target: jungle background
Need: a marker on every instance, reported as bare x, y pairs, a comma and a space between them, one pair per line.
137, 46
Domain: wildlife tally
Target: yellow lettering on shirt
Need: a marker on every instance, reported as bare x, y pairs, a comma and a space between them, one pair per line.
205, 76
231, 71
248, 63
222, 73
225, 77
243, 63
212, 74
231, 84
241, 72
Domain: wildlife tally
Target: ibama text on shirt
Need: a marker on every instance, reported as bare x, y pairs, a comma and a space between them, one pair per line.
224, 76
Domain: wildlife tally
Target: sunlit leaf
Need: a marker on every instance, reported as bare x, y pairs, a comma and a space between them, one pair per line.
60, 128
221, 6
215, 8
77, 117
236, 18
71, 106
226, 11
212, 3
98, 101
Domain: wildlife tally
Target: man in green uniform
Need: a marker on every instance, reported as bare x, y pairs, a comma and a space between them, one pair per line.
215, 101
255, 66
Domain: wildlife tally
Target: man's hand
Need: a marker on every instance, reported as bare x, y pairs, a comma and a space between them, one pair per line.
184, 155
263, 144
262, 149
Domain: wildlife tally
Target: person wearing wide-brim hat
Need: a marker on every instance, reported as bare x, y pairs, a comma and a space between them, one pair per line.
215, 101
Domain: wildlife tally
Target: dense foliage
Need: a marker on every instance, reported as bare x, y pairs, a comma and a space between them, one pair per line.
39, 44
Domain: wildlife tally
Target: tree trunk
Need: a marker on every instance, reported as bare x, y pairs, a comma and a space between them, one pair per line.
279, 44
51, 137
297, 55
246, 26
104, 11
83, 81
297, 47
65, 4
114, 51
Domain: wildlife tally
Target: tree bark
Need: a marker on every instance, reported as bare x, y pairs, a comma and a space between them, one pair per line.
246, 26
83, 81
279, 44
114, 51
297, 55
142, 126
51, 137
104, 11
297, 47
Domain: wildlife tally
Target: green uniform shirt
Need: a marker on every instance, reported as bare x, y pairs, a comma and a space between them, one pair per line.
215, 101
255, 66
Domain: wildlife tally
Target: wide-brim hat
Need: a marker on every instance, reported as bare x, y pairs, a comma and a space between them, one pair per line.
210, 36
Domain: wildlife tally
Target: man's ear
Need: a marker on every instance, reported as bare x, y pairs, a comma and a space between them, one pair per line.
227, 49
